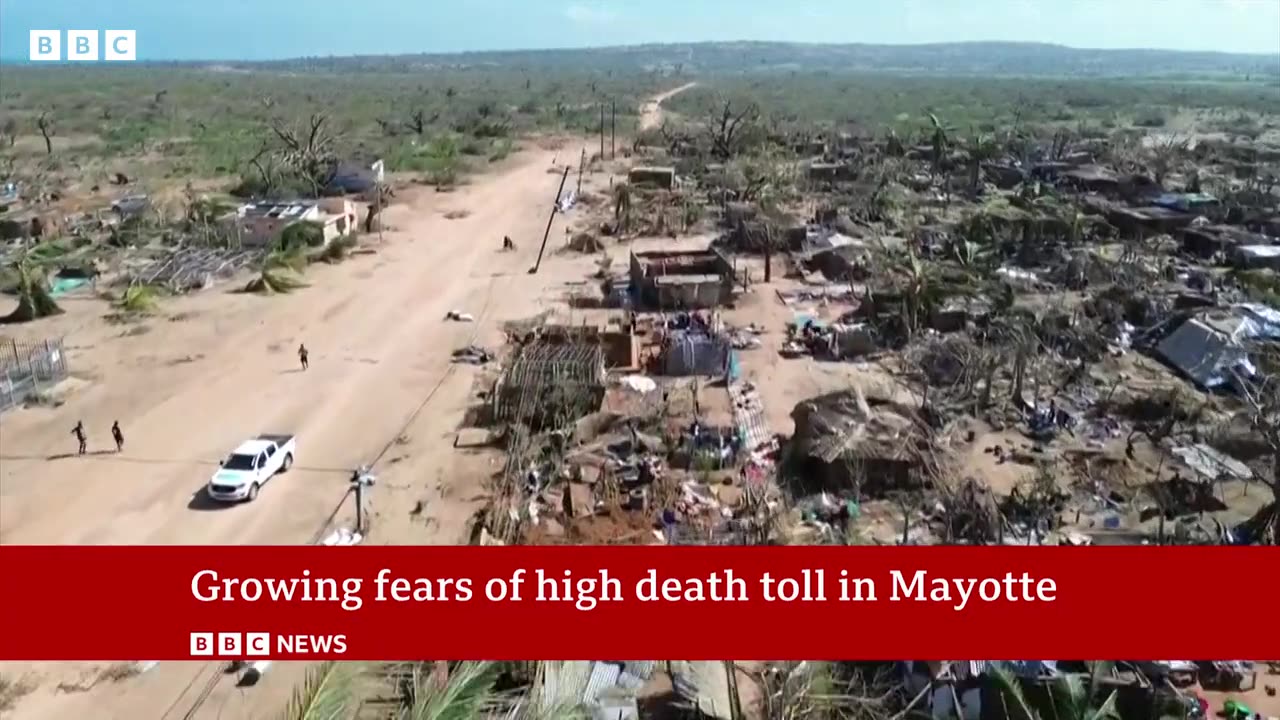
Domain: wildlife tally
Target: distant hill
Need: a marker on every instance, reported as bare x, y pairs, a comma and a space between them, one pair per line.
977, 58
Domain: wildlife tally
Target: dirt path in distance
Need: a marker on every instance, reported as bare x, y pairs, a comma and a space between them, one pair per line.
651, 112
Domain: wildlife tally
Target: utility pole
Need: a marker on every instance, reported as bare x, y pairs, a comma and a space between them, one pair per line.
361, 480
602, 131
555, 207
613, 129
582, 166
379, 173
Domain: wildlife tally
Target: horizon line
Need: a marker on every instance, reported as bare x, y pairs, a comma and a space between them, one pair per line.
25, 60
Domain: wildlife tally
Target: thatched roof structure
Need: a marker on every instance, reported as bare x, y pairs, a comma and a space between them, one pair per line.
845, 425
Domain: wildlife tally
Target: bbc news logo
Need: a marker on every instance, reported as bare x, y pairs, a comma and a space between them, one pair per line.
82, 45
241, 645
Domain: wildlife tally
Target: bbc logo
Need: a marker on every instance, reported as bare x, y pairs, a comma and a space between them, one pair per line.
234, 645
82, 45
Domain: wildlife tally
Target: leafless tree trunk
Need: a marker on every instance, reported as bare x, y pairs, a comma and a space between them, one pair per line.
726, 127
45, 124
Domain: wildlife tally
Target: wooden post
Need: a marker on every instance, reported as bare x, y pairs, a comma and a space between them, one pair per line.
360, 507
613, 129
582, 166
601, 131
555, 207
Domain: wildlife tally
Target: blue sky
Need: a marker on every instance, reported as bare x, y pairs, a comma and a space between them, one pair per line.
262, 29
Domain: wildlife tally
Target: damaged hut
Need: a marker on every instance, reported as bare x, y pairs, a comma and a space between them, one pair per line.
842, 439
551, 382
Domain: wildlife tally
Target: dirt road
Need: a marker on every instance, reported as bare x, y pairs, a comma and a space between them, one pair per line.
651, 112
216, 368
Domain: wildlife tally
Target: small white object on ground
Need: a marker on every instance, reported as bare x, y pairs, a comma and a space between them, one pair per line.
639, 383
460, 316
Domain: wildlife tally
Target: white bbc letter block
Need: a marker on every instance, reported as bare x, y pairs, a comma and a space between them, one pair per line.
82, 45
229, 644
121, 45
201, 643
46, 45
257, 644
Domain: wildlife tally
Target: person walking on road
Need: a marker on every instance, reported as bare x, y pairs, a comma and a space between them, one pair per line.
302, 356
117, 435
78, 431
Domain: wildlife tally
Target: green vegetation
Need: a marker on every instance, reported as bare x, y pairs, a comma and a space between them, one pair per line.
137, 300
30, 272
211, 122
280, 272
305, 234
905, 103
467, 691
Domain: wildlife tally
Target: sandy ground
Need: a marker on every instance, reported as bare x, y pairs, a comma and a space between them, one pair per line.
215, 368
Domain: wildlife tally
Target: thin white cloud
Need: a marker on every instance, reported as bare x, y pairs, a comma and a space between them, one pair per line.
590, 14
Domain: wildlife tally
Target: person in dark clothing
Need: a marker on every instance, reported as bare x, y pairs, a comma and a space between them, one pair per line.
117, 435
78, 431
302, 356
508, 243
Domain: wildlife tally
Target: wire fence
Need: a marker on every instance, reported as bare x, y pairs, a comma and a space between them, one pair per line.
27, 369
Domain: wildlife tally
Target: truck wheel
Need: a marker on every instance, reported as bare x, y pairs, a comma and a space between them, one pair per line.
288, 463
253, 492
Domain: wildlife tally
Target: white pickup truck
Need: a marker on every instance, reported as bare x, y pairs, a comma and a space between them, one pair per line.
250, 466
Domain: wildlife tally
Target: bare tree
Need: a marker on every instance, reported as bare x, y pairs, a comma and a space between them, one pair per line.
1261, 394
45, 124
264, 163
8, 131
727, 127
307, 148
1165, 156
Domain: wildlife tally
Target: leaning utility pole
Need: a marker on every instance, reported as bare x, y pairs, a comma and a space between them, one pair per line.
555, 207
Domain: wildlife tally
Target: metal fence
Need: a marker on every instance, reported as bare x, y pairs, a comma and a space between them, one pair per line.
28, 368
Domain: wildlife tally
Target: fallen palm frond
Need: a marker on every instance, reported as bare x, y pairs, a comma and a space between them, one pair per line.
137, 299
275, 280
280, 272
465, 694
325, 694
338, 250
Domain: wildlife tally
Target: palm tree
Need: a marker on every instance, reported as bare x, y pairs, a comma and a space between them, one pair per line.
31, 270
980, 148
325, 694
468, 692
1070, 697
279, 272
919, 295
939, 139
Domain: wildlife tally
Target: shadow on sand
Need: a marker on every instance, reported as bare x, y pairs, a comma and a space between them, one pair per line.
202, 502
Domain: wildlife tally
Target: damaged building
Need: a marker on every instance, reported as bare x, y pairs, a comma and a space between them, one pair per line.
551, 381
681, 280
843, 439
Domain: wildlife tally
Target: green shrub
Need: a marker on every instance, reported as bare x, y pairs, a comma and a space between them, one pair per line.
307, 233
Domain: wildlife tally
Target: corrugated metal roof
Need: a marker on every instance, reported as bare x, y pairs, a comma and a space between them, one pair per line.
642, 669
1200, 352
604, 675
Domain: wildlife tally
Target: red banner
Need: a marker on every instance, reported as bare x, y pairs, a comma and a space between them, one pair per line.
499, 603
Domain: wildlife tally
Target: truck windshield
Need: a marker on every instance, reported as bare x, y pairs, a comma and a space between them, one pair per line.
238, 462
